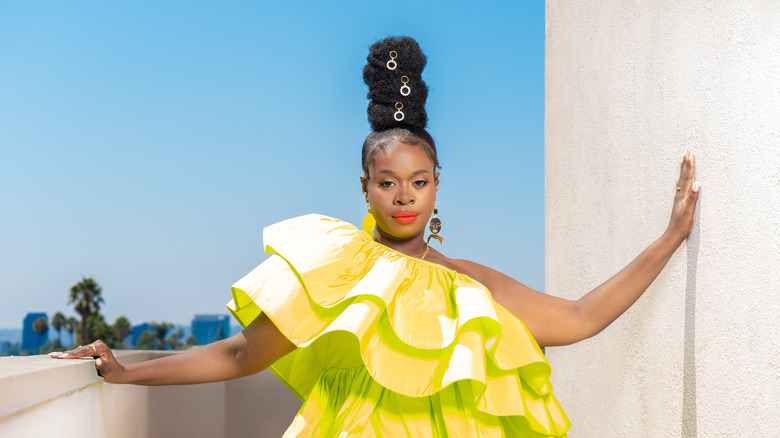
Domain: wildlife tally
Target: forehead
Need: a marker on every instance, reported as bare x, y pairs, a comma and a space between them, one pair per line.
398, 156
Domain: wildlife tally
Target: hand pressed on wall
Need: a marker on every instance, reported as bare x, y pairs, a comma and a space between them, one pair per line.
685, 199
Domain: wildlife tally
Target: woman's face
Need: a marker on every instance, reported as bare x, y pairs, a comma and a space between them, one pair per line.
401, 190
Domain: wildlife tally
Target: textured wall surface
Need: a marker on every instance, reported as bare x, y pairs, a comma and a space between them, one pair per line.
629, 85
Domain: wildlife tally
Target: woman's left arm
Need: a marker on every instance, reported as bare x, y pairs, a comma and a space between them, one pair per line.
604, 304
557, 321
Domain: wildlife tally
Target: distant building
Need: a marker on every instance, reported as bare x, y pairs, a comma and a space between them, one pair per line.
32, 341
210, 328
136, 333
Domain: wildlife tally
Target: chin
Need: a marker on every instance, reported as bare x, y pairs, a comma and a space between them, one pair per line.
400, 231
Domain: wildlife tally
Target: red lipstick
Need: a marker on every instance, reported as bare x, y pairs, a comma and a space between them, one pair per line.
405, 217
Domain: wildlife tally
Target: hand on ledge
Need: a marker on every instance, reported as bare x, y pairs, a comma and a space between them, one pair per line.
106, 365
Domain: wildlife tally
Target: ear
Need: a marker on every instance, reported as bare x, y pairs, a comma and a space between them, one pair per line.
364, 186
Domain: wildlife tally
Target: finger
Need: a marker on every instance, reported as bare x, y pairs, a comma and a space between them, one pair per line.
687, 176
70, 354
81, 351
106, 368
98, 348
98, 366
684, 157
695, 191
691, 167
683, 165
689, 205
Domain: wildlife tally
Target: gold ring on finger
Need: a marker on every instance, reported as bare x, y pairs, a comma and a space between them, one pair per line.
95, 349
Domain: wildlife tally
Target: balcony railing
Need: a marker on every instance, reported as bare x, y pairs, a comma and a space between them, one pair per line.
40, 396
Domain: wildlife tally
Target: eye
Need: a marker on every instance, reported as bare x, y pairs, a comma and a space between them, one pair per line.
421, 183
385, 184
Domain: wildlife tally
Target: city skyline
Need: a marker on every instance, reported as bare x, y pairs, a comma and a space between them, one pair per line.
204, 328
147, 145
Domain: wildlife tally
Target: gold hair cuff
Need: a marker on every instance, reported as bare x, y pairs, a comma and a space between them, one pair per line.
391, 64
399, 115
405, 90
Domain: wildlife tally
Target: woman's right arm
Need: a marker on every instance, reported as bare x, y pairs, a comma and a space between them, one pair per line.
252, 350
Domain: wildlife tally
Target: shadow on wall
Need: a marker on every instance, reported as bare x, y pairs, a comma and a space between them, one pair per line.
689, 352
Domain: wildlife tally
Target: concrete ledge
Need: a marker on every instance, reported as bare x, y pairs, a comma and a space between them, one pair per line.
40, 395
27, 381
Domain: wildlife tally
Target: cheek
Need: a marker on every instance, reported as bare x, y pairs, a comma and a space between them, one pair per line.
375, 197
430, 195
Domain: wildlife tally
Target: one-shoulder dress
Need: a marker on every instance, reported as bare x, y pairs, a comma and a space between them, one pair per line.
390, 345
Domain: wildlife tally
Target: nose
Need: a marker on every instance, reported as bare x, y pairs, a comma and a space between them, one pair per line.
404, 195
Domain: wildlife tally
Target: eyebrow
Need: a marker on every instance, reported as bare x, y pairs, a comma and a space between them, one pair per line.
416, 172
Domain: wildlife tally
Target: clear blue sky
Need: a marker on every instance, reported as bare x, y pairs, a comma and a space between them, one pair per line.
147, 144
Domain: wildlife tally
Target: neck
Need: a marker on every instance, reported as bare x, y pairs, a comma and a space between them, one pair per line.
413, 247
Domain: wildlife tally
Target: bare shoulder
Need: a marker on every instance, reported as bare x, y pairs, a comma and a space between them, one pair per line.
497, 282
550, 320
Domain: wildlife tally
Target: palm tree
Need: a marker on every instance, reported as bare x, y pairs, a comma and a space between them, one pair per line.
174, 340
57, 322
97, 328
160, 330
191, 341
70, 326
86, 295
146, 341
121, 330
40, 326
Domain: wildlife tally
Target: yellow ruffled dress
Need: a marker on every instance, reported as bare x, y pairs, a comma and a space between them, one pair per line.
390, 345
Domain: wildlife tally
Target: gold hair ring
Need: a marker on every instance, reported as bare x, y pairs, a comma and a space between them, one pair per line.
399, 115
391, 64
405, 90
679, 188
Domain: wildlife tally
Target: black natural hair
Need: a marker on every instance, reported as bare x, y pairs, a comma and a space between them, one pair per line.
384, 92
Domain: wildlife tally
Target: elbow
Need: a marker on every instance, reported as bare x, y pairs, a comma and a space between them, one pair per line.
572, 327
236, 356
586, 326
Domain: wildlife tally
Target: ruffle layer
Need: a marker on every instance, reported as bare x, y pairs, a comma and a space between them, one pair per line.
419, 329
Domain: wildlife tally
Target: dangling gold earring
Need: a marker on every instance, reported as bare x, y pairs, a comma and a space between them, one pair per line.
434, 226
369, 222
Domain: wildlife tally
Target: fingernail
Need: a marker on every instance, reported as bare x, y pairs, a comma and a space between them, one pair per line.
98, 362
695, 187
64, 355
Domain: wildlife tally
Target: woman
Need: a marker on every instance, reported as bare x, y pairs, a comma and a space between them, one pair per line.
383, 335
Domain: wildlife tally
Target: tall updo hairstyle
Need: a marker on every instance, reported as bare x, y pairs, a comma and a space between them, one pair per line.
397, 95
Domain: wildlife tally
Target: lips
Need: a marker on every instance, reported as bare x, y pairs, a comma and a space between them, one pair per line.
405, 217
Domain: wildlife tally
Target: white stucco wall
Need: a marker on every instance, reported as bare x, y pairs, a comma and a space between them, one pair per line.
629, 85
